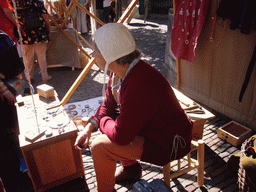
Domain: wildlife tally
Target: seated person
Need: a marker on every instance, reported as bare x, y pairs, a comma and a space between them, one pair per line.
140, 117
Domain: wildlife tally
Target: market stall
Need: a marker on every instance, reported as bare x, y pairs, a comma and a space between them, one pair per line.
220, 68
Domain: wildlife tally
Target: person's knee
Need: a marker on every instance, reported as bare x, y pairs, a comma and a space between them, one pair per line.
98, 143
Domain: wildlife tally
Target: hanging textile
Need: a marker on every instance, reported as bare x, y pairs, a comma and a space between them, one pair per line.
188, 22
242, 14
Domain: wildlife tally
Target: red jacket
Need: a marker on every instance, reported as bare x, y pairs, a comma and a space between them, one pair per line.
5, 24
148, 107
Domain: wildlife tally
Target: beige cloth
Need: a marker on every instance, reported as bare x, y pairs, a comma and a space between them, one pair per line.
62, 51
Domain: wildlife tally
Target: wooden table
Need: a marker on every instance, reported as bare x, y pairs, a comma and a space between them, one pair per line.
198, 119
51, 160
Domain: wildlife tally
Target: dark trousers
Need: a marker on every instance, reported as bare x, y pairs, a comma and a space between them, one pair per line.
107, 11
9, 147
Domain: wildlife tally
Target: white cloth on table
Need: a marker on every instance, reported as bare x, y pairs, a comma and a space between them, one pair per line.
62, 51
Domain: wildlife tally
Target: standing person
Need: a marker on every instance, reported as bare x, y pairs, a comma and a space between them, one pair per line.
106, 11
36, 38
112, 12
99, 10
81, 21
10, 153
7, 19
140, 117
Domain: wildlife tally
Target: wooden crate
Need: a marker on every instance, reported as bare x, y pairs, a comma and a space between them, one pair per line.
234, 133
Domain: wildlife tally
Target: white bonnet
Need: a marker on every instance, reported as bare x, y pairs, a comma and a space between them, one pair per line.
114, 41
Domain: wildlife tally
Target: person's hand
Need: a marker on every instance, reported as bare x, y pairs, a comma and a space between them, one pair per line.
10, 98
82, 140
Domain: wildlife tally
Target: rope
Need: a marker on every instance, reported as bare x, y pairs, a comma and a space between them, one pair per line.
175, 145
25, 61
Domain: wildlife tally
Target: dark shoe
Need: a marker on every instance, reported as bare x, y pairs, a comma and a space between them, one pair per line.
129, 174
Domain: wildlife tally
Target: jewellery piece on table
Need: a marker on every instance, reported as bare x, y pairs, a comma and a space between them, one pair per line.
83, 111
72, 113
89, 110
72, 106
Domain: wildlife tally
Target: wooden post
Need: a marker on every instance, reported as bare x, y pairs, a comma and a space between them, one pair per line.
166, 172
178, 61
61, 26
87, 12
53, 8
128, 11
200, 157
92, 20
78, 81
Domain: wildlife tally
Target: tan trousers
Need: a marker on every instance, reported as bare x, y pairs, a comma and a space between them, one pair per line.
106, 153
29, 51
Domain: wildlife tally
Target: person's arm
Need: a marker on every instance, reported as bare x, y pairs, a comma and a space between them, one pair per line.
4, 92
8, 12
137, 106
83, 139
47, 21
139, 98
107, 108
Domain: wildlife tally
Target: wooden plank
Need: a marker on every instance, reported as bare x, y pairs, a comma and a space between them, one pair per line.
78, 81
128, 11
88, 12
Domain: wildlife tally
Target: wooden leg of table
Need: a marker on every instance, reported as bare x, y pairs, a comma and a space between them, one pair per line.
198, 129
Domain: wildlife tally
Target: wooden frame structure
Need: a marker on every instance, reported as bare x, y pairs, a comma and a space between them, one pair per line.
73, 4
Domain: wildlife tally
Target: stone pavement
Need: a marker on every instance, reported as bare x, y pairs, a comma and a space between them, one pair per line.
150, 39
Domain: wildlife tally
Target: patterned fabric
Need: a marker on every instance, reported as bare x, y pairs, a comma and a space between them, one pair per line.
40, 35
243, 180
188, 22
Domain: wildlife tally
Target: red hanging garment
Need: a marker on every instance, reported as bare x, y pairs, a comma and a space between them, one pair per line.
188, 22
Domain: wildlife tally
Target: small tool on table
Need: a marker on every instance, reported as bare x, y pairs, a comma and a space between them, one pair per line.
195, 108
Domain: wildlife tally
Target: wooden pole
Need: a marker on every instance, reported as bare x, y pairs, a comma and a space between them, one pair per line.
53, 8
73, 41
60, 26
88, 12
78, 81
128, 11
178, 60
88, 44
